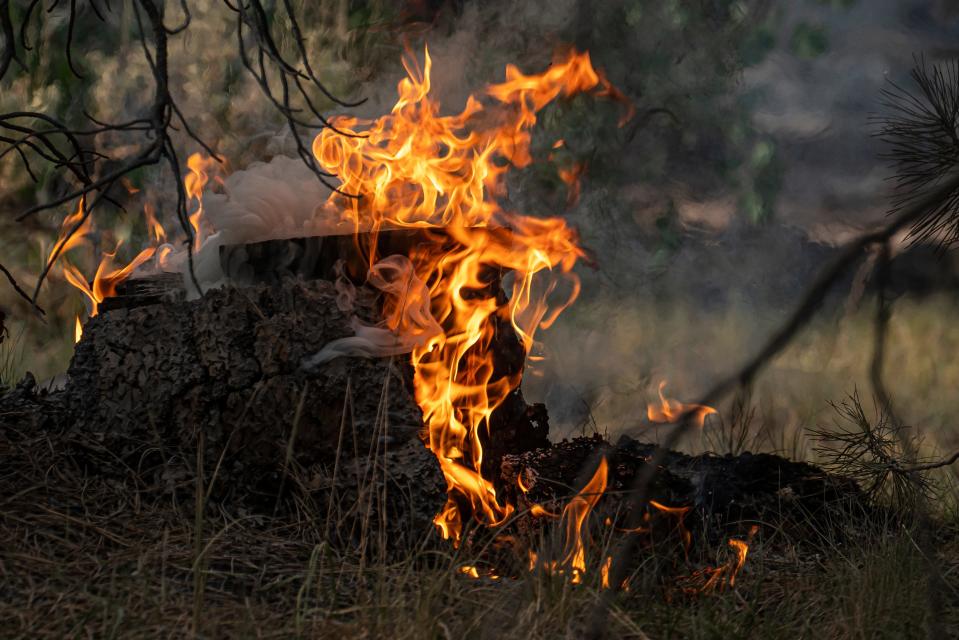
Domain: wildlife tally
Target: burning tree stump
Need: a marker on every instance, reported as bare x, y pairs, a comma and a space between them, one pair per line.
160, 386
164, 384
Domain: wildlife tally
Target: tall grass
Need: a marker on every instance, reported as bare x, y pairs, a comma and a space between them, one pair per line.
104, 562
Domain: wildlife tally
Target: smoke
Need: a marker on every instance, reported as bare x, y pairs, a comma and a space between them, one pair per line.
414, 327
706, 222
271, 200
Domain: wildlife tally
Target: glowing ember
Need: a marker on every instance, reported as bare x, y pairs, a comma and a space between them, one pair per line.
669, 410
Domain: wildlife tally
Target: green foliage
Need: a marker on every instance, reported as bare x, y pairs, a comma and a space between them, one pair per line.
876, 452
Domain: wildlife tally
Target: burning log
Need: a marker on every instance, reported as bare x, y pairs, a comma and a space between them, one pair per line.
154, 383
719, 495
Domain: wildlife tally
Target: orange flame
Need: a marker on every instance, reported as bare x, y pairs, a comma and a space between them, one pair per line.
200, 167
77, 331
156, 229
574, 516
669, 410
107, 276
469, 570
537, 511
66, 241
741, 548
723, 576
604, 572
572, 177
77, 279
521, 483
680, 514
414, 168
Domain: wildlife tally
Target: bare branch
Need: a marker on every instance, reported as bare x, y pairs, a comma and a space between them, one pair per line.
20, 292
931, 465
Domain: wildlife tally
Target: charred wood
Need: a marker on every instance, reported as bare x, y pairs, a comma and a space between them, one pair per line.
725, 495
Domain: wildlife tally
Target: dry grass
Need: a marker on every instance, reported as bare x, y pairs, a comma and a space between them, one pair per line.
92, 555
133, 574
611, 360
89, 555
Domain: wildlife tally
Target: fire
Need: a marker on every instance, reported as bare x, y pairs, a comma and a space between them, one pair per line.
680, 514
604, 572
156, 229
415, 168
522, 483
107, 275
572, 177
719, 578
469, 570
741, 548
66, 241
536, 510
574, 516
669, 410
200, 167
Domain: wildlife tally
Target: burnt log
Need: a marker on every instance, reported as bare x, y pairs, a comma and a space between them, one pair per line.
140, 292
515, 426
721, 495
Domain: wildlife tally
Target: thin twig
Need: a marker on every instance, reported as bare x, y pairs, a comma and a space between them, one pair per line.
931, 465
20, 292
